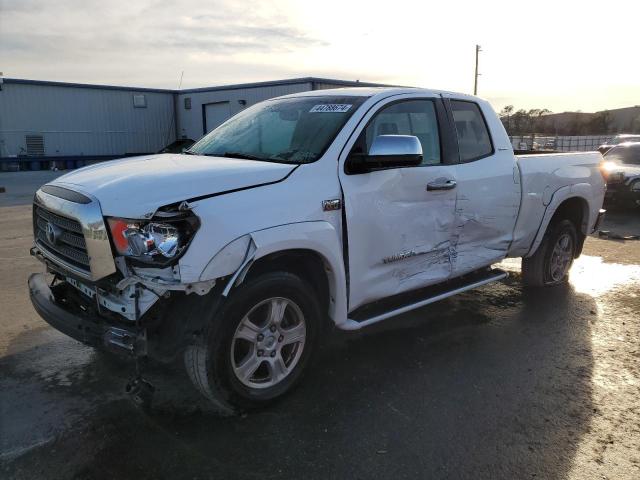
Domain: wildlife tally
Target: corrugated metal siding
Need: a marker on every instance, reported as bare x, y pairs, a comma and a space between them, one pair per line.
190, 121
76, 119
83, 121
326, 86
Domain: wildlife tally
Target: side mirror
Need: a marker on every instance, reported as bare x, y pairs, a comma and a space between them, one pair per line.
395, 146
392, 151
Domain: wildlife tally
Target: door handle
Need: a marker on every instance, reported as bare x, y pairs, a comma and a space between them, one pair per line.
441, 185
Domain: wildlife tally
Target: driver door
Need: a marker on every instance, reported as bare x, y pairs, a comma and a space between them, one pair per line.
400, 221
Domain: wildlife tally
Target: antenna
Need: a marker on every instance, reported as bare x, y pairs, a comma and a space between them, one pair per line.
173, 117
180, 82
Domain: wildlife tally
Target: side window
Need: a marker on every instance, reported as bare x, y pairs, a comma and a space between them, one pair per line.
413, 117
474, 141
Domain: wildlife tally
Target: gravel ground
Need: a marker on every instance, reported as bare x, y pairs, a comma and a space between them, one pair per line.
499, 382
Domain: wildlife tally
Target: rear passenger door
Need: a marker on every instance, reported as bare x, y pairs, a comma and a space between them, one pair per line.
488, 192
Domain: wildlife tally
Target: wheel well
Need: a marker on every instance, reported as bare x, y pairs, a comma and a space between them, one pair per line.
576, 210
306, 264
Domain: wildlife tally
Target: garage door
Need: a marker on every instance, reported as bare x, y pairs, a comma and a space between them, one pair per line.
215, 114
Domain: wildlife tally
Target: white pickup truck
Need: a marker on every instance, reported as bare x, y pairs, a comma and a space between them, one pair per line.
338, 207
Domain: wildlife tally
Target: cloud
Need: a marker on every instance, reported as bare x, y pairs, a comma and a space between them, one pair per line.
94, 32
230, 38
150, 42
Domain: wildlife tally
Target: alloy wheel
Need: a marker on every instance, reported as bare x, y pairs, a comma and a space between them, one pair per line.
268, 343
561, 257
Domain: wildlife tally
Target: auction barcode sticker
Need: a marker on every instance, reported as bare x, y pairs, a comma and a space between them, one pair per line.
331, 108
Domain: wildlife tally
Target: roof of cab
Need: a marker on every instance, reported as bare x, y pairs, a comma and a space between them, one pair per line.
371, 92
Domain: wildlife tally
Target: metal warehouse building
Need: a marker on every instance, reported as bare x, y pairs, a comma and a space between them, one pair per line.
70, 123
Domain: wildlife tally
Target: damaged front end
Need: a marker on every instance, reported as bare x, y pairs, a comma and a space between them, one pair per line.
116, 282
168, 325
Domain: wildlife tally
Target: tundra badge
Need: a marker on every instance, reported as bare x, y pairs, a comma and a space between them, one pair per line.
334, 204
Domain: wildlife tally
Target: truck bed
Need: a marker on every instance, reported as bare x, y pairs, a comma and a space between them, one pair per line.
541, 177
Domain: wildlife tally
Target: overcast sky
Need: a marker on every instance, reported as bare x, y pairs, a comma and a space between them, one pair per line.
562, 55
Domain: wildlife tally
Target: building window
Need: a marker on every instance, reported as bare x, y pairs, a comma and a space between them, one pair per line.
187, 103
139, 101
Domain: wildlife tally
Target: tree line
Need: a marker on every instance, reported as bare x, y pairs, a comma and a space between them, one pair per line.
543, 121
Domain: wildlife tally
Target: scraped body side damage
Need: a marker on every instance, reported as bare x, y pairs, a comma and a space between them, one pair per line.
400, 235
487, 205
480, 239
436, 259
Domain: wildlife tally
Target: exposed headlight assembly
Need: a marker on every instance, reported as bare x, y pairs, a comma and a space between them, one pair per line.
153, 242
616, 177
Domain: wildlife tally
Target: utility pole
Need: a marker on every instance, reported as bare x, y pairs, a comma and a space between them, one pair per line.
475, 83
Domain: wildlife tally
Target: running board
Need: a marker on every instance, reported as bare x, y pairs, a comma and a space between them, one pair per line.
474, 282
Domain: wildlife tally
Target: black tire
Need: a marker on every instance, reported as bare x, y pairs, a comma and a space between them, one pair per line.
209, 364
537, 269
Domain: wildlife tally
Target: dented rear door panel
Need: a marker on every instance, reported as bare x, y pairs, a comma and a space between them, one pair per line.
487, 204
488, 196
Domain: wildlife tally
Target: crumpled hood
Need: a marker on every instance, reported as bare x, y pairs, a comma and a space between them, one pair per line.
136, 187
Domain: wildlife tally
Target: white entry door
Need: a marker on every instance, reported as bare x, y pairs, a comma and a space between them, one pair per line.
216, 114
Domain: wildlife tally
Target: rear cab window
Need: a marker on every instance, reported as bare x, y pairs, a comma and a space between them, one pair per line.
474, 141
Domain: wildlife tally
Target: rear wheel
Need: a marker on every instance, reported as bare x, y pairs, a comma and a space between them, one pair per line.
258, 346
551, 263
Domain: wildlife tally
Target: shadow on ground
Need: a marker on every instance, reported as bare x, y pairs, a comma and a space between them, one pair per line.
494, 383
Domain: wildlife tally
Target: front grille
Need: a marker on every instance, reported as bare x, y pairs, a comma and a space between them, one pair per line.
67, 245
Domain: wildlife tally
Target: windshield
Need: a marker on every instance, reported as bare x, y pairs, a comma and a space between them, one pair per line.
624, 154
290, 130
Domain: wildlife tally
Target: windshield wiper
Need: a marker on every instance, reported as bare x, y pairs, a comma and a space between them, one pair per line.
243, 156
287, 155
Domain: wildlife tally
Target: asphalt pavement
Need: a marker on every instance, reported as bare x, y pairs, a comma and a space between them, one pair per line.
499, 382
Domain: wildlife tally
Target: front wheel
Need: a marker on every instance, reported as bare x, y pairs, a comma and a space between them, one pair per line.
256, 349
551, 263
